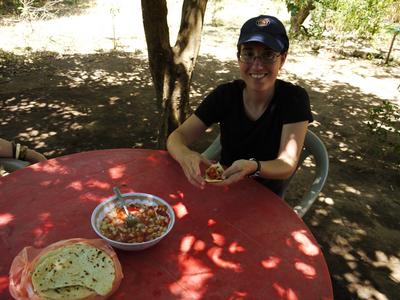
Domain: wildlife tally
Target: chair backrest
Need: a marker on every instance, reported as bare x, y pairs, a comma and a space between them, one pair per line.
312, 146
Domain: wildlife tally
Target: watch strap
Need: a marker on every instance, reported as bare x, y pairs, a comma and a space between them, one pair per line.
256, 173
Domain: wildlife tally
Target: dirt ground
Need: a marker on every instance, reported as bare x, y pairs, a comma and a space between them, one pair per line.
60, 103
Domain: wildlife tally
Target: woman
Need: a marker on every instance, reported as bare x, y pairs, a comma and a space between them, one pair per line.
263, 120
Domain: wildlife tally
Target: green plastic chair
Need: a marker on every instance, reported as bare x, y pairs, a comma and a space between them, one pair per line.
312, 146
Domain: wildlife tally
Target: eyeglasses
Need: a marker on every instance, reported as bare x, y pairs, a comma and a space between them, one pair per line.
266, 58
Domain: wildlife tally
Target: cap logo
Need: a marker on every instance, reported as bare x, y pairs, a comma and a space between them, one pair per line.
263, 22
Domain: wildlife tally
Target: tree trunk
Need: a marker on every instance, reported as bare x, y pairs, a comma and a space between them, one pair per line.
172, 67
391, 47
299, 15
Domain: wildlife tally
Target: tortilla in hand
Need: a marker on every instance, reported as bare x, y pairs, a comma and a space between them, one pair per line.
214, 173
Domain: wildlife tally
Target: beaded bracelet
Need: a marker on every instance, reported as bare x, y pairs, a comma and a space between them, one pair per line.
19, 151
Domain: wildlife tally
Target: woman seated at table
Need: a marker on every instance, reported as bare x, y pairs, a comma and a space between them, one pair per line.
17, 152
263, 120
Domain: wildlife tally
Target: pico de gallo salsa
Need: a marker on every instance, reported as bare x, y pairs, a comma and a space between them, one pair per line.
152, 222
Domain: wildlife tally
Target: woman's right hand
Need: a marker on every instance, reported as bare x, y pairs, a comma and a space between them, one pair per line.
190, 163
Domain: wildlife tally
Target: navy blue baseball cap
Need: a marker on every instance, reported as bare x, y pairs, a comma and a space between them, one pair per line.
267, 30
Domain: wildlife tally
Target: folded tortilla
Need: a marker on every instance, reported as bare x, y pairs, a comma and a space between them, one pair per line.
73, 272
215, 169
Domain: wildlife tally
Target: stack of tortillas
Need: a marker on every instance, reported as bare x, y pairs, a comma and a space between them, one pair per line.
71, 269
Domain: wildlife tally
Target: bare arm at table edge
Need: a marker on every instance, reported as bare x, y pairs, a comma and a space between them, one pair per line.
178, 146
6, 151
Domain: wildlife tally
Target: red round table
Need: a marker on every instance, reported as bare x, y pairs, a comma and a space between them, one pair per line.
240, 242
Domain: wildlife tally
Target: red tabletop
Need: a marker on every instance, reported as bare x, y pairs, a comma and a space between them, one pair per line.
241, 242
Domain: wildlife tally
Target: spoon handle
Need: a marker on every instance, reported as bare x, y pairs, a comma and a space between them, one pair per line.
121, 199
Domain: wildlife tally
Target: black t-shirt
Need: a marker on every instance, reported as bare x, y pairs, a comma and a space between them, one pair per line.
242, 138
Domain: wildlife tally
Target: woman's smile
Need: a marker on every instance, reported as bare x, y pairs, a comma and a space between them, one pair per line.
258, 75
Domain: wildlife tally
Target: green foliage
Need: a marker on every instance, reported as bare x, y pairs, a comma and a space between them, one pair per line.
8, 6
363, 18
393, 28
384, 123
15, 6
294, 6
217, 6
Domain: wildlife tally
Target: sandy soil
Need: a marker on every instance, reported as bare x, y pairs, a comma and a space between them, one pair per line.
75, 92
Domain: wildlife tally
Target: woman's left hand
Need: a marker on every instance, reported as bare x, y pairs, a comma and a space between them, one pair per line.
239, 170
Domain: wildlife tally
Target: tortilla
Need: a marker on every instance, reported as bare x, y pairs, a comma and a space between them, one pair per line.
73, 272
214, 173
71, 292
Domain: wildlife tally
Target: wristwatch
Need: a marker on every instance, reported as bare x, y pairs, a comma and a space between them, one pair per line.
256, 173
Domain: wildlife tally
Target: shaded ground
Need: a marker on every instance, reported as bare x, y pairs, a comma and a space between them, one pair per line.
61, 104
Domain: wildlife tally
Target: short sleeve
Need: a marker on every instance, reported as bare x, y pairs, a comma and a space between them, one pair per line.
215, 106
297, 106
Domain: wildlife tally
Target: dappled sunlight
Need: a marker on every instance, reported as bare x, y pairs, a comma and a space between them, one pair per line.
93, 183
307, 270
117, 172
91, 197
6, 218
177, 195
326, 200
216, 256
349, 189
338, 123
285, 293
211, 222
303, 243
53, 166
360, 262
187, 243
362, 288
308, 162
218, 239
199, 245
180, 210
391, 262
40, 232
67, 115
3, 283
195, 282
223, 255
238, 295
236, 248
82, 185
76, 185
24, 104
194, 272
78, 78
356, 230
271, 262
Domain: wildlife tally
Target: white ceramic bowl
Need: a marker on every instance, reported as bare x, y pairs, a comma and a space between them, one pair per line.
106, 206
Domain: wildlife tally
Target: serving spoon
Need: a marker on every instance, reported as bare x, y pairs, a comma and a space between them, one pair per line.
130, 219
